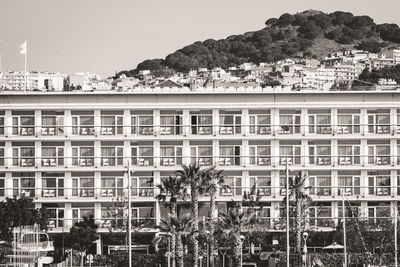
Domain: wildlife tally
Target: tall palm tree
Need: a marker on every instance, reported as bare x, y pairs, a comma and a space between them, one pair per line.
232, 222
177, 226
193, 177
171, 189
298, 194
213, 180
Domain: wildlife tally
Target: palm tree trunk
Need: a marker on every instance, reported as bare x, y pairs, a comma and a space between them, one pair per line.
212, 227
173, 236
179, 251
195, 209
298, 227
236, 250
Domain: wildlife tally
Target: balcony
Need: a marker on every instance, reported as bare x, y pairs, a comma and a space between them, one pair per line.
48, 192
83, 161
349, 160
24, 162
171, 161
83, 192
230, 191
143, 191
142, 161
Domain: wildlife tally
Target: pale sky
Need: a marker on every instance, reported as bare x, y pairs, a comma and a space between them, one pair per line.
104, 36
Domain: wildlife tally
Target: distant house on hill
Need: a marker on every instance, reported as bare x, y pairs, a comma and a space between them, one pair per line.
168, 83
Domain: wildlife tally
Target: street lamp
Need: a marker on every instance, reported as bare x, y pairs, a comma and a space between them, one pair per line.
241, 249
305, 236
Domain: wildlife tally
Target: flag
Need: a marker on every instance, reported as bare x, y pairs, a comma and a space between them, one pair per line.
23, 48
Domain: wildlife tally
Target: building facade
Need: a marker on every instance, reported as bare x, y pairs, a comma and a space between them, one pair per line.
69, 151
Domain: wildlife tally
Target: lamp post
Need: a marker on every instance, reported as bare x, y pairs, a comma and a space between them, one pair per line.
241, 250
305, 236
207, 247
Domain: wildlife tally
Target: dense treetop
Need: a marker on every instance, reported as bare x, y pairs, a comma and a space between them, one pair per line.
283, 37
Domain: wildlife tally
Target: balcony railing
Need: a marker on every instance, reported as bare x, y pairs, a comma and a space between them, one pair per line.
269, 161
200, 129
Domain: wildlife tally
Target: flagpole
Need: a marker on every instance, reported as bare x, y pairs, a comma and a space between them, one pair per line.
395, 236
344, 230
287, 217
26, 62
129, 217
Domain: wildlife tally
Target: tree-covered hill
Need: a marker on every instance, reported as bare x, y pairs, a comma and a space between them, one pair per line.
307, 34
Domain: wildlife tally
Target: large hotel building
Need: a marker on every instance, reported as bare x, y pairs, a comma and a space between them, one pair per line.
69, 151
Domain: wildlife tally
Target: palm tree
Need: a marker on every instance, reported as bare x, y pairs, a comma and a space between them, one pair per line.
177, 226
232, 222
298, 194
213, 179
172, 188
193, 177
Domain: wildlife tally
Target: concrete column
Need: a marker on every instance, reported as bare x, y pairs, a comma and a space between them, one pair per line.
8, 185
97, 153
127, 152
364, 152
245, 152
364, 183
38, 153
67, 216
304, 121
38, 122
99, 245
304, 153
215, 144
68, 154
186, 122
8, 154
97, 185
67, 123
246, 181
186, 152
7, 123
393, 120
275, 184
97, 121
97, 212
393, 151
334, 182
215, 121
334, 152
157, 122
157, 152
275, 127
38, 184
127, 122
275, 153
363, 121
393, 182
245, 122
334, 120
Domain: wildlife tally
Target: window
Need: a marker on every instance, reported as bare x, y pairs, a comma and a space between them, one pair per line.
24, 187
202, 155
201, 124
378, 212
143, 186
260, 155
52, 156
83, 187
52, 187
348, 154
55, 217
83, 156
379, 154
260, 124
79, 213
112, 156
263, 185
142, 155
320, 185
52, 124
320, 124
142, 124
112, 186
349, 185
23, 125
171, 156
171, 124
348, 124
320, 155
230, 124
232, 186
379, 123
111, 125
290, 154
379, 185
229, 155
289, 124
1, 156
23, 156
2, 187
83, 125
321, 216
2, 124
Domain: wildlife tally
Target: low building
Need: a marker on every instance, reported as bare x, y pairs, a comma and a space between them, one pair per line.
49, 81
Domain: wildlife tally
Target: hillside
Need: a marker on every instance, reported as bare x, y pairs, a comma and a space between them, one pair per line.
306, 34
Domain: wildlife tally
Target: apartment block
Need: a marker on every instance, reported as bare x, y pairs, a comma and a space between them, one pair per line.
69, 151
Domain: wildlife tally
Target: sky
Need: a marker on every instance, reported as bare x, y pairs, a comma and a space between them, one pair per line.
105, 36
